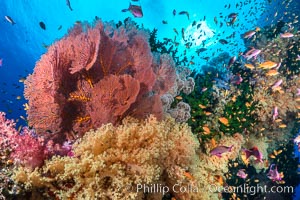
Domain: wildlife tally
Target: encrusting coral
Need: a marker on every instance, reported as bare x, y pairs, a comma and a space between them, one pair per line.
97, 75
110, 162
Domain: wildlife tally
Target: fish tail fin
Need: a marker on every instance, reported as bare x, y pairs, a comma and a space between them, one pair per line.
272, 167
247, 152
219, 155
230, 148
126, 9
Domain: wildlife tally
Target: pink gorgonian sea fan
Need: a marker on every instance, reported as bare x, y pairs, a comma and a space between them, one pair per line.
97, 75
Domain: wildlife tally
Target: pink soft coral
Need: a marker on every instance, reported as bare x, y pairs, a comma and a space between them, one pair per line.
28, 150
7, 131
25, 148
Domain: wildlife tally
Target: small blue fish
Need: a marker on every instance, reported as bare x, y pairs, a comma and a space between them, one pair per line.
9, 19
42, 25
69, 4
174, 12
185, 13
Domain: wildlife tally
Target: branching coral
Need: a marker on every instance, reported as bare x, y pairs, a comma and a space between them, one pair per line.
107, 166
93, 72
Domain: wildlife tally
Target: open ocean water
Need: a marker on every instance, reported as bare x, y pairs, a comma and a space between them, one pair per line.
239, 99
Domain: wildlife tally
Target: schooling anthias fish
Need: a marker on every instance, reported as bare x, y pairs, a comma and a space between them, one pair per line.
219, 150
135, 10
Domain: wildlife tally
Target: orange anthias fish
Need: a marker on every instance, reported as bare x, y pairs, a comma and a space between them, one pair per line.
219, 150
202, 106
244, 158
267, 65
207, 113
224, 121
282, 125
249, 34
213, 143
189, 176
206, 130
249, 66
272, 72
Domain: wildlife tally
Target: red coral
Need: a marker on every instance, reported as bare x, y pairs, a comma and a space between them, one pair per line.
94, 76
88, 43
111, 98
166, 76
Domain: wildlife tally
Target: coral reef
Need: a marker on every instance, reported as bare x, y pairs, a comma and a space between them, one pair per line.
284, 99
262, 143
106, 166
209, 170
277, 49
22, 148
109, 107
183, 84
7, 131
77, 80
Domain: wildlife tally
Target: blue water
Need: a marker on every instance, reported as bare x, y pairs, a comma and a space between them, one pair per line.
22, 44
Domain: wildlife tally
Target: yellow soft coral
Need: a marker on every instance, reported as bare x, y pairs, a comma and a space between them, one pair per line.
208, 170
111, 161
